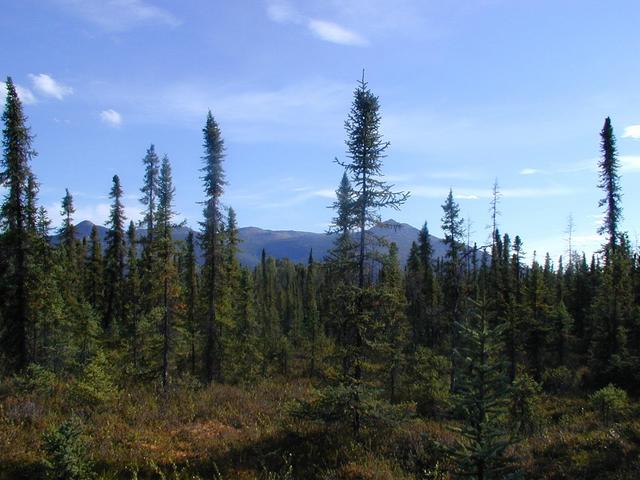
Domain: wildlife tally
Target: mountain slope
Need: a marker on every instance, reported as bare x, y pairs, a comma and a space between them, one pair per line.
292, 244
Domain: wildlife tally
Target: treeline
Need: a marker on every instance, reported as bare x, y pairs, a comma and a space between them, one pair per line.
370, 329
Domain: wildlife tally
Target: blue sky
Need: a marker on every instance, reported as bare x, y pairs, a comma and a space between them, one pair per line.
471, 91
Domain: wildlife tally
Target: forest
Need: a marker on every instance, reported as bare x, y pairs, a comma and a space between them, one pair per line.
137, 357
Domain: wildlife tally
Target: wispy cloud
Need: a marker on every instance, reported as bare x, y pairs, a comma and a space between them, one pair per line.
301, 112
119, 15
334, 33
529, 171
111, 117
486, 193
49, 87
281, 11
632, 131
25, 95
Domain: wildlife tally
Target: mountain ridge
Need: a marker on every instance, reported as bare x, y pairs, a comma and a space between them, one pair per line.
292, 244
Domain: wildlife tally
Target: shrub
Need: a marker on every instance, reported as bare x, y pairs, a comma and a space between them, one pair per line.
610, 402
36, 379
526, 411
430, 388
96, 385
67, 457
559, 380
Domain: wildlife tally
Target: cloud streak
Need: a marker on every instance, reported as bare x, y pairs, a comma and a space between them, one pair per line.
119, 15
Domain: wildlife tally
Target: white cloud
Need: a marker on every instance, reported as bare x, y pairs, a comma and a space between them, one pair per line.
529, 171
467, 196
632, 131
281, 11
25, 95
111, 117
119, 15
46, 85
630, 163
334, 33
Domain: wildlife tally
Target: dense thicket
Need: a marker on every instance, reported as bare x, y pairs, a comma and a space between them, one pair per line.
372, 332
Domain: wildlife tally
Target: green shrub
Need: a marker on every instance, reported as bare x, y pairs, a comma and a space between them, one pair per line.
610, 402
526, 411
96, 385
36, 379
559, 380
66, 453
430, 386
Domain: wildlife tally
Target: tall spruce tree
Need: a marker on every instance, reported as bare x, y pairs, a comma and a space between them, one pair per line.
15, 239
67, 231
610, 184
114, 261
168, 273
366, 149
214, 182
452, 282
149, 200
191, 299
94, 275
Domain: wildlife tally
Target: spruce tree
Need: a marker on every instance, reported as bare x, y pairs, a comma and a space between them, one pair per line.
14, 176
94, 276
452, 281
132, 297
482, 400
114, 261
191, 295
610, 184
214, 182
67, 231
167, 273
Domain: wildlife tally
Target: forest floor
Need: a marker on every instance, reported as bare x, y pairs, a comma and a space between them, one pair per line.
227, 432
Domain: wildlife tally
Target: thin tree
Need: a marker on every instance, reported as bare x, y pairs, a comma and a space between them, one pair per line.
14, 175
610, 184
214, 183
114, 259
452, 227
67, 231
165, 227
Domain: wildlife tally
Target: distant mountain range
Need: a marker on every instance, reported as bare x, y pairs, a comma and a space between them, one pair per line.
292, 244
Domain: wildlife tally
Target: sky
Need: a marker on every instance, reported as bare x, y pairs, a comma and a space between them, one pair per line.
471, 92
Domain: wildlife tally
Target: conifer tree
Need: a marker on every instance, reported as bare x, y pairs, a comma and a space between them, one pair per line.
393, 337
67, 231
191, 295
366, 149
167, 273
14, 223
483, 397
114, 261
132, 296
214, 182
94, 276
610, 183
149, 200
452, 281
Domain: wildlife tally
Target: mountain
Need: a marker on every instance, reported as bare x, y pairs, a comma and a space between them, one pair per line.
292, 244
